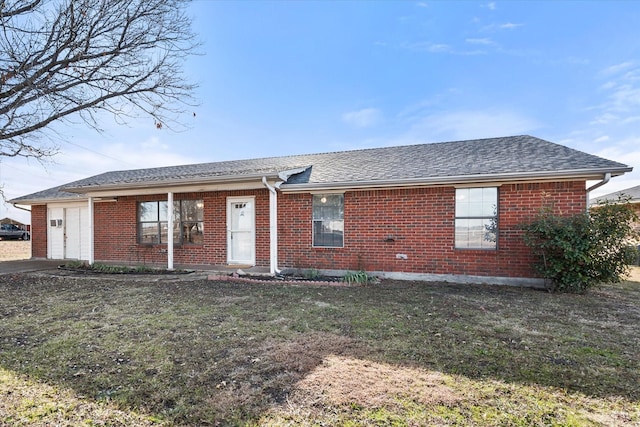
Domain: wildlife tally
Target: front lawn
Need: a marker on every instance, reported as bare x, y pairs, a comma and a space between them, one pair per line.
115, 351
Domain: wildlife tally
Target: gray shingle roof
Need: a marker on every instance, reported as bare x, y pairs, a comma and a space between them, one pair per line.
633, 192
493, 157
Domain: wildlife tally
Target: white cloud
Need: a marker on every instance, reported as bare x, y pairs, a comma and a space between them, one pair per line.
615, 69
483, 41
431, 47
491, 5
497, 27
364, 118
472, 124
603, 138
604, 119
510, 26
625, 98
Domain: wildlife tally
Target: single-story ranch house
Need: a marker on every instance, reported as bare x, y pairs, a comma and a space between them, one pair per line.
443, 211
632, 195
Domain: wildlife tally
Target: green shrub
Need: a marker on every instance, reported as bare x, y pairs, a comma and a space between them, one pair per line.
580, 251
359, 277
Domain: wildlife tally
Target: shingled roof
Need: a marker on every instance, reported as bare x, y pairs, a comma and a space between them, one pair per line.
633, 193
506, 158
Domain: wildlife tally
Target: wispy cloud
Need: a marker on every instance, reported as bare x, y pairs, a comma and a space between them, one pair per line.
498, 27
491, 5
482, 41
431, 47
364, 118
510, 26
617, 68
465, 124
622, 91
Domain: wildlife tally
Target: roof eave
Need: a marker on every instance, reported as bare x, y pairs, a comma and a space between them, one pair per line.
226, 179
586, 174
46, 200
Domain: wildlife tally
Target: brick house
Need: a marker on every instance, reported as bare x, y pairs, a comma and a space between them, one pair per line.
442, 211
633, 194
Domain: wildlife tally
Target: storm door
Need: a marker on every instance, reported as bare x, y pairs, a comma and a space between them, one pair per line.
241, 226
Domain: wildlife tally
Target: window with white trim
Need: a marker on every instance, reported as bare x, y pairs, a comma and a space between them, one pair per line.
153, 225
476, 218
328, 220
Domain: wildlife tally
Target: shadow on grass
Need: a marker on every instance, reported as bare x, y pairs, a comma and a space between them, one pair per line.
206, 353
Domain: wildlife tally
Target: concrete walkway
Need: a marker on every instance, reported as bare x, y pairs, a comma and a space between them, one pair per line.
28, 265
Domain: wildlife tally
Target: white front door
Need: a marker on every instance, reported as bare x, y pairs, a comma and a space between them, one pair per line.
241, 227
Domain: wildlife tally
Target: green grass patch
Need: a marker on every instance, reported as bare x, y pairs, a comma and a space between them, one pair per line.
193, 352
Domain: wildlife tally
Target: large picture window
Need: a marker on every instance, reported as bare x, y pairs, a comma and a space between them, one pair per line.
476, 221
153, 225
328, 220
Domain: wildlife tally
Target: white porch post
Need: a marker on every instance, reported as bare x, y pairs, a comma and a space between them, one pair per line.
170, 231
273, 227
91, 234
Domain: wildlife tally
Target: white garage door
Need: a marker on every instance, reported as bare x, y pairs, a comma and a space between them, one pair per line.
68, 232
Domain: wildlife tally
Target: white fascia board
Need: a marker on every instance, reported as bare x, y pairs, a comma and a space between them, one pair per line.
220, 183
494, 179
176, 186
35, 202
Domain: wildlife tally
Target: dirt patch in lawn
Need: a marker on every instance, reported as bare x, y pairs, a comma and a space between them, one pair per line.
342, 381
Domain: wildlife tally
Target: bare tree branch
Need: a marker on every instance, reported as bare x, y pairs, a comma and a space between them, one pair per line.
64, 58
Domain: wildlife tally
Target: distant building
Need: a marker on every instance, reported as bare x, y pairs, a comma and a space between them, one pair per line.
26, 227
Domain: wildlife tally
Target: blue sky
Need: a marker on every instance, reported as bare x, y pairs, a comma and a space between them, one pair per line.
290, 77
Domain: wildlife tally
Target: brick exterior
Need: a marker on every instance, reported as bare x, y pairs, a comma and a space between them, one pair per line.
39, 231
378, 225
115, 234
421, 225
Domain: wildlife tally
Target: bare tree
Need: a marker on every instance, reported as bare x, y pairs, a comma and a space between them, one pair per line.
61, 60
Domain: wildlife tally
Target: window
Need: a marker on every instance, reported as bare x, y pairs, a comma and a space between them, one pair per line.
328, 220
476, 220
153, 226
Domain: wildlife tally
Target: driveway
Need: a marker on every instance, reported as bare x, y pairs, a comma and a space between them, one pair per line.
26, 265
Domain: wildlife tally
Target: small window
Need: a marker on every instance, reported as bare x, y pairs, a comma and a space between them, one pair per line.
153, 225
476, 222
328, 220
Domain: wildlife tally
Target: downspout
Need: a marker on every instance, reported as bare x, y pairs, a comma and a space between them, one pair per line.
22, 209
273, 227
91, 232
607, 177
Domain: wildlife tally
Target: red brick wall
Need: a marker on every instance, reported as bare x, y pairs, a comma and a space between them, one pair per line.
116, 231
421, 222
39, 231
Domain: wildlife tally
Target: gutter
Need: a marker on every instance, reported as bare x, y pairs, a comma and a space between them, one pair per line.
273, 227
605, 179
21, 208
458, 179
166, 183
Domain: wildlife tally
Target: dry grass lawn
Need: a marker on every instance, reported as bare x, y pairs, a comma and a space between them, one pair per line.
103, 351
